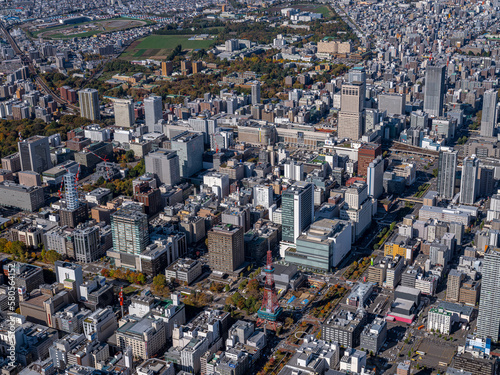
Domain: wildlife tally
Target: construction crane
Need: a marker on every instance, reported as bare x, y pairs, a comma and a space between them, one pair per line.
104, 159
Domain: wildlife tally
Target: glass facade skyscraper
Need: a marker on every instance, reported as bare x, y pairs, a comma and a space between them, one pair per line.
297, 204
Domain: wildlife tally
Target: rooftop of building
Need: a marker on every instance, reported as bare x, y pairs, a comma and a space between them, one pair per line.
346, 319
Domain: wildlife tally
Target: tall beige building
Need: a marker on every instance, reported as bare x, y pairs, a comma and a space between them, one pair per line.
124, 112
455, 279
89, 104
226, 249
350, 123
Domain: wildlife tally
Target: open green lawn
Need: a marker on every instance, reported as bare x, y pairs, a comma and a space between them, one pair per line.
324, 10
159, 46
171, 41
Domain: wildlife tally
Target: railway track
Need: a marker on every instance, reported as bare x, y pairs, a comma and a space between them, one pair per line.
39, 81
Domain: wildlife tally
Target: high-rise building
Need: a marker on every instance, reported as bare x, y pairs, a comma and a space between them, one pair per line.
263, 196
394, 104
167, 68
366, 154
34, 153
87, 244
189, 147
71, 195
488, 320
153, 111
226, 249
352, 103
489, 113
89, 104
455, 279
164, 164
446, 173
434, 90
297, 204
129, 227
469, 185
124, 112
375, 177
256, 93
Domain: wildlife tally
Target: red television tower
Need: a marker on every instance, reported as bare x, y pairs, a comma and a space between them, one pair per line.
270, 310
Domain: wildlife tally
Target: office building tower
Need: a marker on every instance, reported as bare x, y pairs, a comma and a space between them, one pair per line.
190, 148
167, 68
153, 111
226, 249
218, 182
447, 168
375, 177
350, 124
393, 104
297, 204
488, 320
87, 244
434, 90
145, 337
454, 283
124, 112
256, 93
419, 120
469, 184
89, 104
164, 164
294, 170
263, 196
489, 113
129, 228
34, 154
366, 154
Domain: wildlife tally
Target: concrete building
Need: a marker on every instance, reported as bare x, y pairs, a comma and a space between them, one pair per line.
263, 196
374, 335
189, 147
100, 325
25, 198
218, 182
130, 230
153, 110
323, 246
226, 249
146, 336
439, 320
164, 164
89, 104
344, 327
488, 321
124, 112
469, 184
393, 104
446, 173
434, 90
297, 210
184, 270
34, 154
489, 114
374, 179
87, 244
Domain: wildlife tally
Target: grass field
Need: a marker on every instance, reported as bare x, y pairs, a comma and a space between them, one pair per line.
159, 46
